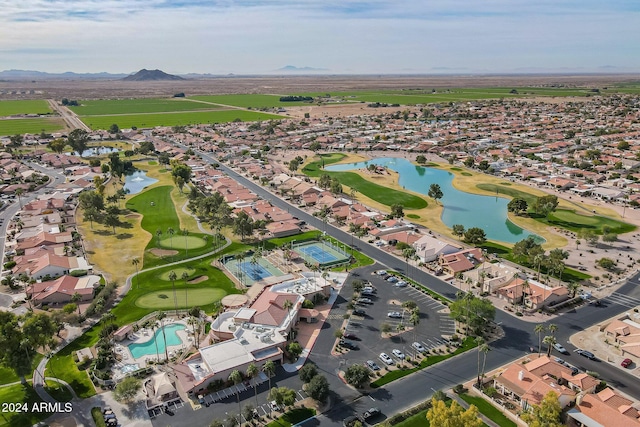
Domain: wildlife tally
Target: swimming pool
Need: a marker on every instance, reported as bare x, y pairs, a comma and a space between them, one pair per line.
149, 347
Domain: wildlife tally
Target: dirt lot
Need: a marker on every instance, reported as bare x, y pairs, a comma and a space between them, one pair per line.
90, 89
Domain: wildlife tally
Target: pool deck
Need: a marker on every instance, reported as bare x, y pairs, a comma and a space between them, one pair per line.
144, 335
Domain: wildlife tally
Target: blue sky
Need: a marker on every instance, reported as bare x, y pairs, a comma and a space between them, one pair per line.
347, 36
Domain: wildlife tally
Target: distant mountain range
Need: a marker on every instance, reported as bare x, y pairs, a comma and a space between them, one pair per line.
145, 75
294, 69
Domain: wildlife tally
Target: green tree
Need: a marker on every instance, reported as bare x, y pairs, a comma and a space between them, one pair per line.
295, 350
318, 388
336, 187
242, 225
252, 373
476, 312
469, 162
546, 204
127, 389
236, 378
307, 372
457, 230
589, 236
421, 159
324, 181
539, 330
269, 368
182, 171
78, 139
57, 145
609, 237
549, 340
114, 129
160, 316
452, 416
547, 414
39, 328
518, 206
397, 211
435, 192
283, 396
173, 276
606, 263
357, 375
475, 236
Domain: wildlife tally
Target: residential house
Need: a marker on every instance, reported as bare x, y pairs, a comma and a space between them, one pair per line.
429, 248
461, 261
625, 333
61, 290
606, 408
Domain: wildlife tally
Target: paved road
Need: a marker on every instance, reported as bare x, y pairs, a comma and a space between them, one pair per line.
411, 390
70, 118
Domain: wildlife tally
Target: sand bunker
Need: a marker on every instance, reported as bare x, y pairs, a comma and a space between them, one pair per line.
163, 252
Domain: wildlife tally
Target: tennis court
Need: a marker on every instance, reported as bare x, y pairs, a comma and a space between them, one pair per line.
324, 254
249, 272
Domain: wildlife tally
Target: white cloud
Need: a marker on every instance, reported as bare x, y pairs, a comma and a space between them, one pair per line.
375, 36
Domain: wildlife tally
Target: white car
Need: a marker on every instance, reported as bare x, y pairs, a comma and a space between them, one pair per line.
397, 353
394, 314
401, 284
381, 272
418, 347
386, 359
392, 279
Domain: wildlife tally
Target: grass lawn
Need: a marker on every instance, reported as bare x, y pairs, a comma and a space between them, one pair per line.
58, 391
293, 417
417, 420
8, 375
186, 298
249, 100
563, 218
98, 418
9, 108
29, 125
62, 365
413, 216
158, 212
148, 120
488, 410
101, 107
467, 344
24, 395
376, 192
147, 297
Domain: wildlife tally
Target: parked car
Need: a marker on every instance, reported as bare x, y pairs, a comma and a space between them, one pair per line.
381, 272
626, 363
586, 354
401, 284
350, 336
274, 406
364, 301
370, 413
349, 344
366, 293
359, 311
560, 349
392, 279
394, 314
386, 359
373, 365
559, 360
418, 347
397, 353
369, 289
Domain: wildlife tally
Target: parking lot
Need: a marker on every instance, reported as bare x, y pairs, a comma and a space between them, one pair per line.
434, 327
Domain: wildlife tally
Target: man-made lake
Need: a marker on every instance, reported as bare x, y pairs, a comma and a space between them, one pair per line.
137, 181
470, 210
97, 151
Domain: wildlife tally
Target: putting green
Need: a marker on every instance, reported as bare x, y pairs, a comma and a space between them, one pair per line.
178, 271
180, 242
164, 299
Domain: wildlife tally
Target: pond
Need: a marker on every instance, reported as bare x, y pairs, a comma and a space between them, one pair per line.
96, 151
470, 210
137, 181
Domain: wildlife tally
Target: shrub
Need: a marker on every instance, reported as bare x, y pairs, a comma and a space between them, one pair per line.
78, 273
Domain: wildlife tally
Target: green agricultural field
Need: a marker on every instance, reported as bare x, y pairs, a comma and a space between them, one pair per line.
176, 119
249, 101
105, 107
10, 108
37, 125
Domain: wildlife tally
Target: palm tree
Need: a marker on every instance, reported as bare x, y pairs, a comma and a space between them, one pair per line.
484, 348
288, 305
414, 319
252, 372
539, 329
553, 328
538, 260
185, 233
525, 288
479, 343
135, 262
173, 276
160, 317
236, 378
185, 276
19, 192
170, 232
158, 235
152, 323
549, 340
269, 368
75, 298
240, 259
